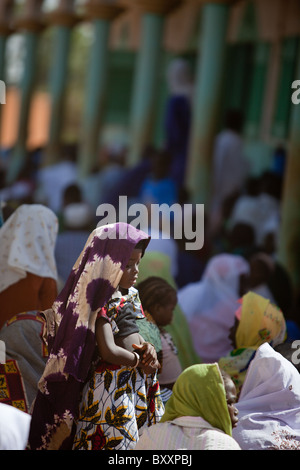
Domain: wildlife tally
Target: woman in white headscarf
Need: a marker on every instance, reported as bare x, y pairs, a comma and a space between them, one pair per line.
28, 275
210, 304
269, 403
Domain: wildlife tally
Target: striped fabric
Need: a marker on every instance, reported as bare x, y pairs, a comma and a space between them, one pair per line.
185, 433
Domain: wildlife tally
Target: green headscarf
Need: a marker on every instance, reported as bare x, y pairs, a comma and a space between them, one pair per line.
200, 391
158, 264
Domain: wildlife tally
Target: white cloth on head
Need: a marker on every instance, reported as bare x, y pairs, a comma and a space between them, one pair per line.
27, 241
14, 428
210, 305
269, 404
179, 78
77, 215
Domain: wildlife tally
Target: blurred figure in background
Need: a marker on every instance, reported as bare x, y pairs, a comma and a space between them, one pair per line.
178, 117
230, 167
53, 179
210, 303
77, 219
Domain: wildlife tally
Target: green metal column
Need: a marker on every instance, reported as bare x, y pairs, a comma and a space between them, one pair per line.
101, 16
287, 75
6, 8
3, 39
31, 25
236, 82
206, 106
63, 20
289, 242
95, 96
256, 95
145, 86
27, 84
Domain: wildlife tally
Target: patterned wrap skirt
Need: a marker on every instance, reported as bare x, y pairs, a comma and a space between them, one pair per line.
117, 403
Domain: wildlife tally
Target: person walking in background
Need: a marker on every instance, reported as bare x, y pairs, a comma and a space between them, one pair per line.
230, 168
178, 117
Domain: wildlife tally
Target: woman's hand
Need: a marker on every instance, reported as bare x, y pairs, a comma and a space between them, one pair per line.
147, 353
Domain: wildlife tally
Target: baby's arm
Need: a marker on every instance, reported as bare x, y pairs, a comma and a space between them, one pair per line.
108, 349
114, 354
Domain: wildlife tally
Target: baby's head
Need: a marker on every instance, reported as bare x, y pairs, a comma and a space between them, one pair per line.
158, 298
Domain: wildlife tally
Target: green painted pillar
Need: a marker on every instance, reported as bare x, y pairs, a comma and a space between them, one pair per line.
63, 20
236, 81
206, 106
101, 16
26, 89
31, 26
289, 240
6, 8
95, 97
3, 39
287, 75
257, 90
145, 87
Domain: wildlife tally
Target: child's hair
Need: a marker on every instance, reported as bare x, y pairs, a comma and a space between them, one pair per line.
154, 290
142, 245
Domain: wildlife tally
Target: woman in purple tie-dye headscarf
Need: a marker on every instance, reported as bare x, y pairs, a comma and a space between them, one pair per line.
83, 401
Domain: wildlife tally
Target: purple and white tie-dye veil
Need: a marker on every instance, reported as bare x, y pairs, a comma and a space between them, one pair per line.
70, 329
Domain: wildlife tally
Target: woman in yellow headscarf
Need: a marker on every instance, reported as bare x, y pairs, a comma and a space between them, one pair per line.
258, 321
199, 415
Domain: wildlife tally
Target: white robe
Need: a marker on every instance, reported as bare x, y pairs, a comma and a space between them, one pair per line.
269, 403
